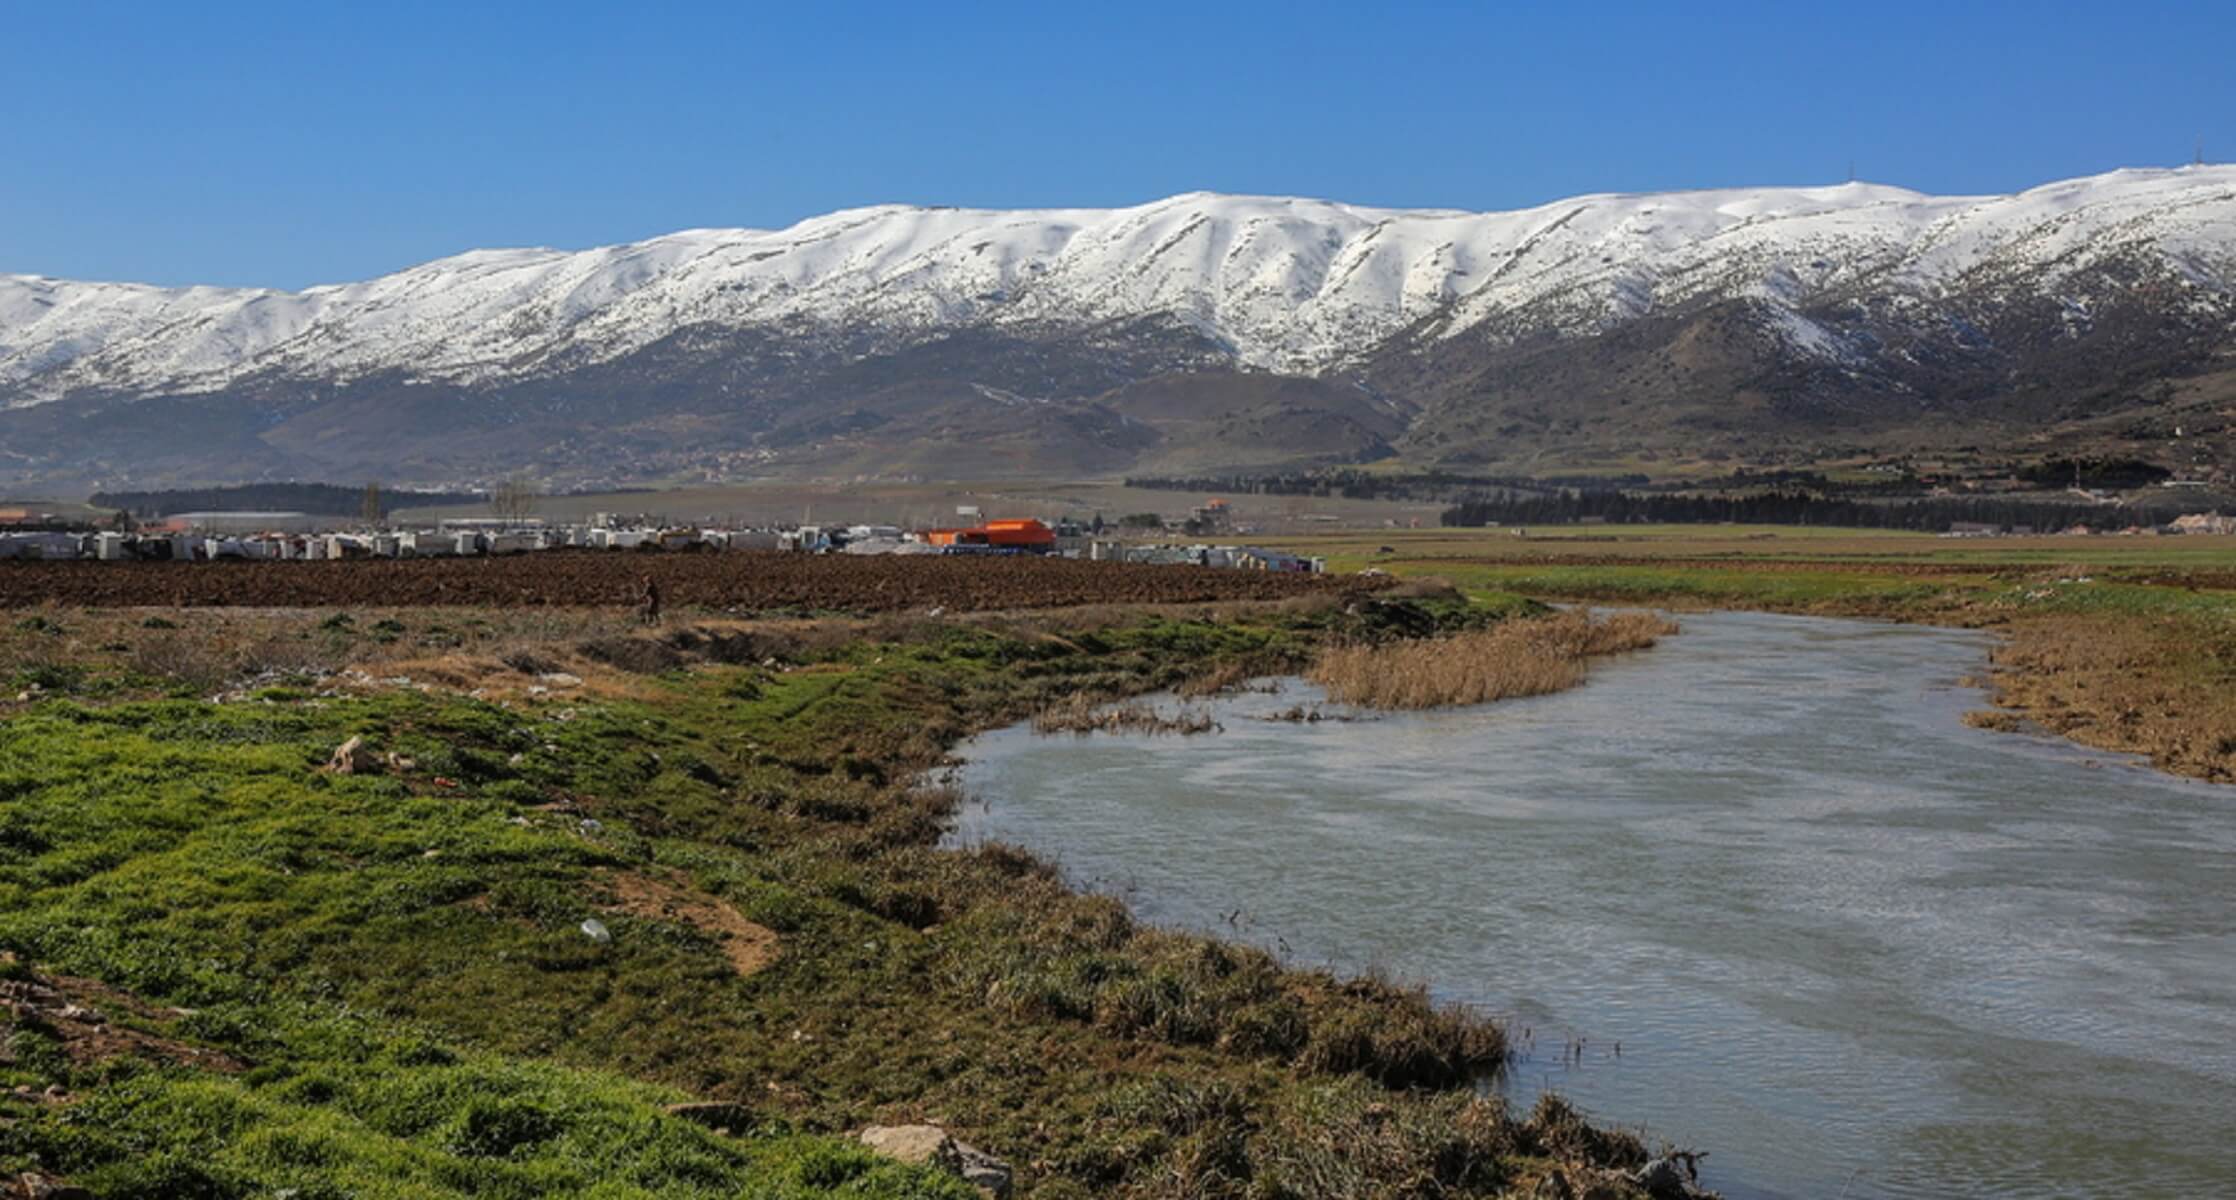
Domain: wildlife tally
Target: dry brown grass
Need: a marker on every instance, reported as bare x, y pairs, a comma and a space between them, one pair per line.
1514, 658
2164, 687
495, 653
1247, 674
154, 644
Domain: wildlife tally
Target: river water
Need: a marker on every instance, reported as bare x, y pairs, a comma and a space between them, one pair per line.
1846, 943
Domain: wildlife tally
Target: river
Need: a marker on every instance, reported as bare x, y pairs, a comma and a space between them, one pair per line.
1845, 942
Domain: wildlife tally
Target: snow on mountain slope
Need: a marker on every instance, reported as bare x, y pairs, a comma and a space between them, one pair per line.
1289, 284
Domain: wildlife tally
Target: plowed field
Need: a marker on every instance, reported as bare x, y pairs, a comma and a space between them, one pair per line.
747, 582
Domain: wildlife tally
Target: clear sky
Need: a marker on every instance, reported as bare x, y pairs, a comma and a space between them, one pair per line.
241, 142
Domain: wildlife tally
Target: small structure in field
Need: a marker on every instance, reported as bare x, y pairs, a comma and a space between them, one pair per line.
1024, 534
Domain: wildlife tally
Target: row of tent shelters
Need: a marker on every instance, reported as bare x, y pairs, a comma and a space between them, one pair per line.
267, 536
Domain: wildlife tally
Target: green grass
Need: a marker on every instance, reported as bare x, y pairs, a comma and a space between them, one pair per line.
1753, 543
192, 854
1695, 585
1814, 570
1967, 597
398, 958
350, 1115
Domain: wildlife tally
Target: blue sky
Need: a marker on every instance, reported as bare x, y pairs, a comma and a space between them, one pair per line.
291, 144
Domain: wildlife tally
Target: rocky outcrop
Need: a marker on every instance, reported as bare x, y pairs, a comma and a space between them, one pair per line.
353, 757
32, 1185
930, 1145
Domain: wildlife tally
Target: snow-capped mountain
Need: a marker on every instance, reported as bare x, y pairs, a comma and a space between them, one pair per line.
1883, 288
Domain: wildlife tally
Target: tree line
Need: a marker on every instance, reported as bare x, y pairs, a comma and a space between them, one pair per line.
1351, 484
1932, 514
323, 499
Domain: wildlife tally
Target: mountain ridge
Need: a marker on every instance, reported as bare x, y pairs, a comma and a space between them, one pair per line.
1842, 297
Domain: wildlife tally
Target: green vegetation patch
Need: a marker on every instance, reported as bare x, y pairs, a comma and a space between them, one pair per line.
482, 959
349, 1115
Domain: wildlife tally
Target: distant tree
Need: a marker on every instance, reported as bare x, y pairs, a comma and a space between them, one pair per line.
325, 499
516, 499
1142, 520
2094, 472
123, 521
369, 507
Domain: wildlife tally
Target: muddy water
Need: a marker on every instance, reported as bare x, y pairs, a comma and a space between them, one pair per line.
1846, 943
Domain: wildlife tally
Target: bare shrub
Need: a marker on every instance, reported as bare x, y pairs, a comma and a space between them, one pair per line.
282, 652
196, 660
1081, 713
1514, 658
528, 662
1234, 675
638, 656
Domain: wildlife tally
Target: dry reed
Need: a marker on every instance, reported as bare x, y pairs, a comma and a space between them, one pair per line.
2158, 687
1234, 675
1514, 658
1080, 713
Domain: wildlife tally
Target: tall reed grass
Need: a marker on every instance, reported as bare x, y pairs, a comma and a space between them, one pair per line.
1514, 658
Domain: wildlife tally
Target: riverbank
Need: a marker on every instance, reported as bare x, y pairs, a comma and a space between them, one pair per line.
2121, 644
471, 896
1760, 889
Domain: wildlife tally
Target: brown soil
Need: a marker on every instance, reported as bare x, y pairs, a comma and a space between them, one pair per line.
744, 582
748, 946
84, 1017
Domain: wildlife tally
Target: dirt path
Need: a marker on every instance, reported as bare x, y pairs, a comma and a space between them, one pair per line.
747, 946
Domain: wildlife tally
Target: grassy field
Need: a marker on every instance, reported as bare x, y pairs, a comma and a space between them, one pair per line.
295, 902
228, 969
2119, 643
1757, 543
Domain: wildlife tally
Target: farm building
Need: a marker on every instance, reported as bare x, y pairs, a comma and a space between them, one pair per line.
1023, 534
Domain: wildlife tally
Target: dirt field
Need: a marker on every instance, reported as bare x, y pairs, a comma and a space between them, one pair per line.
736, 582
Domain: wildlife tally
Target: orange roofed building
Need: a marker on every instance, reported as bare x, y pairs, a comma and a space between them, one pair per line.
1026, 534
